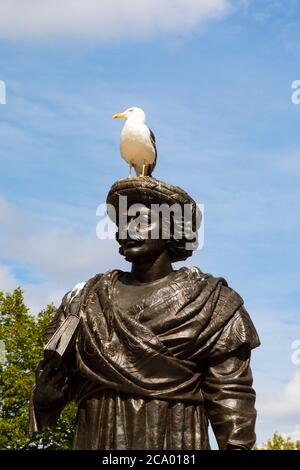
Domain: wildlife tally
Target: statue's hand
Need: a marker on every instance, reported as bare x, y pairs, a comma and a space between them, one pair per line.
51, 384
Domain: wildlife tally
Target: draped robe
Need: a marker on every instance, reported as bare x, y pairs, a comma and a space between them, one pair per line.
154, 375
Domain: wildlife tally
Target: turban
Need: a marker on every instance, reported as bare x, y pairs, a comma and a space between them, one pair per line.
150, 191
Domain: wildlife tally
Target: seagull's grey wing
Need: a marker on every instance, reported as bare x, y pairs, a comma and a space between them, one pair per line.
153, 142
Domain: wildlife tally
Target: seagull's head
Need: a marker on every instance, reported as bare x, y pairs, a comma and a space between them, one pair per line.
132, 113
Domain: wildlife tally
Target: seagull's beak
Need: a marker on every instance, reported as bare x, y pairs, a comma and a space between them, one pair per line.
118, 116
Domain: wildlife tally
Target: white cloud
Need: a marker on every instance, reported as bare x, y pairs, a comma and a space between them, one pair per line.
289, 403
278, 403
106, 19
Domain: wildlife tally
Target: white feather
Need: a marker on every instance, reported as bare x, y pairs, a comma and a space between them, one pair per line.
135, 145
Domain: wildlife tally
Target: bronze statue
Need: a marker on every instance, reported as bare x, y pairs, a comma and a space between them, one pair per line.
152, 355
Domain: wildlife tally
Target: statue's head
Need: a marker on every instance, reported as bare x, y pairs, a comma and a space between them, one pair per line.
152, 217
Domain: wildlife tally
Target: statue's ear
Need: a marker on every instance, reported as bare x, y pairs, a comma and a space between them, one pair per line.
117, 235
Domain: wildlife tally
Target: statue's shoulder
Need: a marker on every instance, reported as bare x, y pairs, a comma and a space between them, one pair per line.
240, 331
74, 292
70, 304
237, 326
199, 276
228, 298
81, 291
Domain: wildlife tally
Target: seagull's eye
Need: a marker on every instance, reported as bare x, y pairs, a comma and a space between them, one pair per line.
130, 110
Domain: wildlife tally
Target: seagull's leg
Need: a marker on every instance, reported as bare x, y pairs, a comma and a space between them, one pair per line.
130, 168
144, 168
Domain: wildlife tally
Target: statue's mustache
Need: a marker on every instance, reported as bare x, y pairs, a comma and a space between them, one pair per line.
127, 238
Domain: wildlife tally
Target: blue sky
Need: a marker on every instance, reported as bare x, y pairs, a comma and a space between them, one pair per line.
215, 79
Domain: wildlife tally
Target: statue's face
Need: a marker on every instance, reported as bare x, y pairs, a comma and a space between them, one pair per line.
140, 236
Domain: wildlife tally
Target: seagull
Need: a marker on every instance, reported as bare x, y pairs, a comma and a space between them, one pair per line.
137, 144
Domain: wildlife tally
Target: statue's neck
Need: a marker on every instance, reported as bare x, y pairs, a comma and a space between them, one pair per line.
152, 270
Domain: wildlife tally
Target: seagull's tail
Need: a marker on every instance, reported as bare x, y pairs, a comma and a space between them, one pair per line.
150, 168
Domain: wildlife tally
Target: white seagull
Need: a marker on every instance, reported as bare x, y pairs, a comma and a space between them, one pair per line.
137, 145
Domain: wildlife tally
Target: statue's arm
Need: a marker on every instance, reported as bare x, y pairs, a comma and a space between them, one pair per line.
227, 386
229, 401
53, 387
49, 396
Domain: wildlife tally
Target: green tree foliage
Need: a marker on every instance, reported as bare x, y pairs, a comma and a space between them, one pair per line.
21, 334
278, 442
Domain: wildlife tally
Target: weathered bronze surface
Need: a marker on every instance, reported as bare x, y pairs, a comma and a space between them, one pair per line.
152, 355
